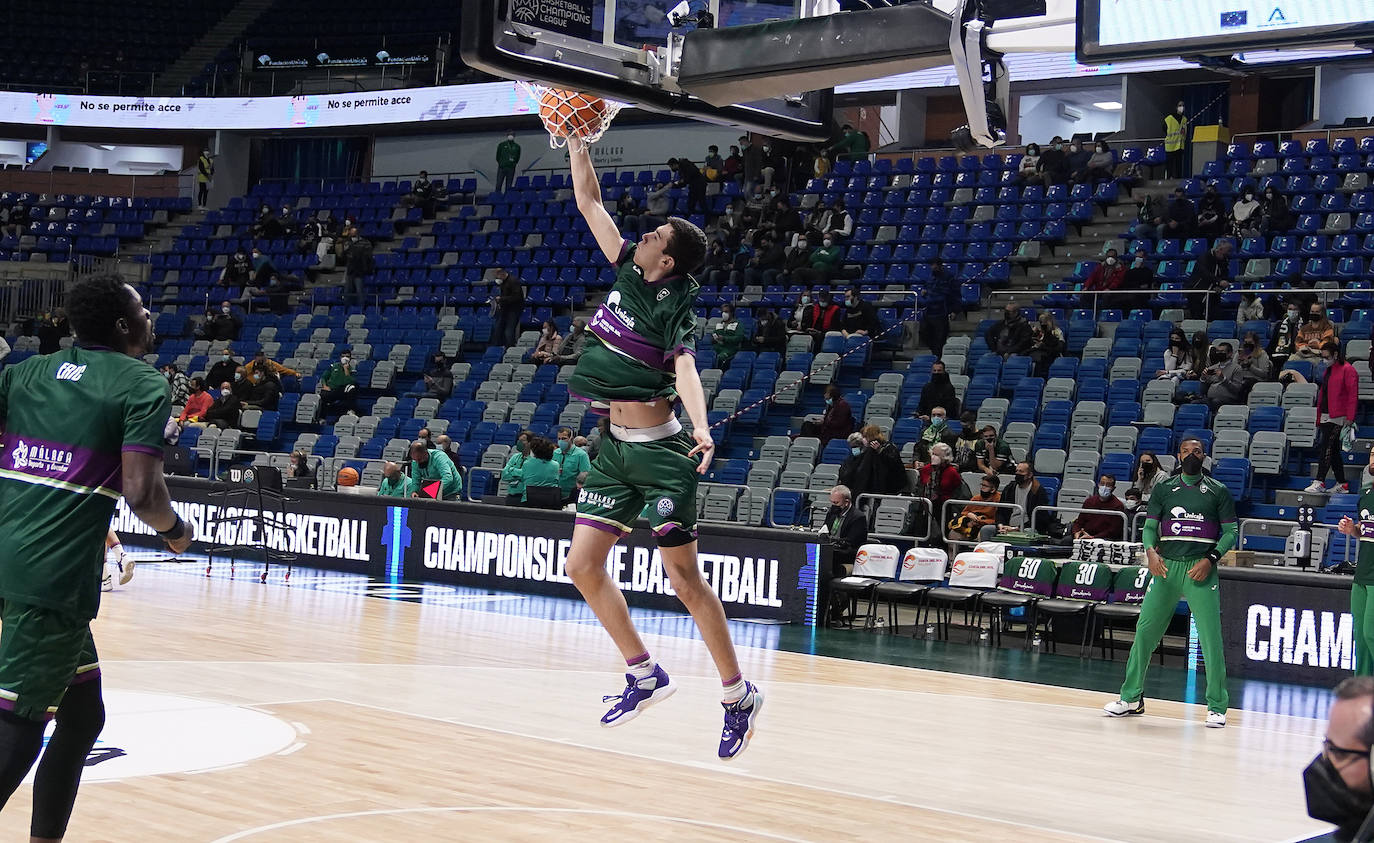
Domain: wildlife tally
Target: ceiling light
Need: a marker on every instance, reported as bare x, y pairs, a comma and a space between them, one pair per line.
1110, 105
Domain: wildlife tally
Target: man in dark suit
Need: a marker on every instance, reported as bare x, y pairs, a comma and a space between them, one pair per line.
847, 528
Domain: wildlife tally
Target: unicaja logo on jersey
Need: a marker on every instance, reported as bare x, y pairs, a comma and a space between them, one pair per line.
40, 458
613, 305
70, 372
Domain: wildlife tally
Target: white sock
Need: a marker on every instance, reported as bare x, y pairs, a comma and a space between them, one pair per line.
642, 667
734, 690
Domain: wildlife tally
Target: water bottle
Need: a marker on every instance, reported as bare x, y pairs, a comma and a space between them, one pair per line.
983, 637
1036, 643
930, 631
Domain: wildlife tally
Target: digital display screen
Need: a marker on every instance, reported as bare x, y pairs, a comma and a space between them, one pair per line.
1122, 29
33, 150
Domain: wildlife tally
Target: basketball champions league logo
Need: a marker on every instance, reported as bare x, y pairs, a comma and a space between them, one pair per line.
525, 11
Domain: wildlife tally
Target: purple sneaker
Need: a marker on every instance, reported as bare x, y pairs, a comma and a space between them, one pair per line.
740, 719
638, 695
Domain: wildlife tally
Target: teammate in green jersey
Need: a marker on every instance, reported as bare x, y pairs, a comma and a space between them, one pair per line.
1362, 590
80, 428
1189, 525
637, 363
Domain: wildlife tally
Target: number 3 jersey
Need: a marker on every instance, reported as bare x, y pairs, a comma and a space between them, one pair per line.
636, 336
67, 419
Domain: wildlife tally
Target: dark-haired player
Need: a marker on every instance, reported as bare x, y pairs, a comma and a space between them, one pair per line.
637, 364
81, 427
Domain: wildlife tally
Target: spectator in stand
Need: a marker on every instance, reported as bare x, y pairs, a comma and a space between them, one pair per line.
1100, 164
261, 386
1211, 272
938, 393
1314, 334
752, 153
798, 257
1251, 308
657, 205
1178, 357
1252, 353
975, 516
428, 467
818, 317
1226, 381
860, 317
690, 177
339, 387
507, 157
510, 304
437, 380
837, 422
1030, 163
1054, 164
569, 350
1077, 159
993, 454
572, 463
549, 341
422, 194
846, 528
942, 299
287, 216
1026, 492
823, 264
939, 480
1201, 354
1012, 335
787, 223
394, 482
1337, 403
262, 364
966, 442
224, 369
224, 325
514, 471
1132, 503
1284, 343
313, 236
1107, 275
853, 145
727, 337
1148, 472
298, 465
713, 167
1178, 220
198, 403
540, 473
719, 263
625, 208
878, 469
732, 169
1211, 213
238, 272
444, 444
52, 329
177, 383
1092, 525
224, 410
769, 332
1139, 277
1246, 220
1275, 217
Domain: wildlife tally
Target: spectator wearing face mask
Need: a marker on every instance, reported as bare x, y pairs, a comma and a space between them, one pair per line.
1251, 307
1025, 491
817, 317
879, 469
822, 264
514, 471
860, 317
733, 166
549, 341
1054, 164
966, 442
1030, 163
1100, 164
975, 516
1315, 333
713, 166
938, 429
1226, 381
1212, 273
1178, 219
939, 392
1133, 501
939, 480
1107, 275
838, 420
570, 349
224, 325
1140, 276
1178, 357
224, 369
942, 299
261, 382
1147, 473
198, 402
1175, 136
769, 257
1093, 525
1253, 356
339, 387
1211, 213
437, 380
1245, 214
1078, 157
993, 454
572, 462
1337, 782
1275, 216
769, 333
1047, 344
177, 383
727, 337
850, 466
1284, 342
1337, 402
224, 410
1012, 335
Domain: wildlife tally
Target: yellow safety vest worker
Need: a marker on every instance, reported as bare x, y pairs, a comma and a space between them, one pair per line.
1174, 127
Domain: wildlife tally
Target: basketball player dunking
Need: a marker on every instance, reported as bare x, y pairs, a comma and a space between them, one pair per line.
638, 362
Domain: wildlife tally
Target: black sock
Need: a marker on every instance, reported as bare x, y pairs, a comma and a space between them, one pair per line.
80, 717
21, 740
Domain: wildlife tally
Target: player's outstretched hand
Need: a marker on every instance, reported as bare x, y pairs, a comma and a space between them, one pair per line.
706, 446
1156, 563
1201, 570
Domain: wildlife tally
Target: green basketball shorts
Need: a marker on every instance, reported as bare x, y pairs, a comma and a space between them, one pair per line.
42, 652
637, 467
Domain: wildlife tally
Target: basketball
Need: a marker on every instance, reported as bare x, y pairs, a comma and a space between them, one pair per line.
568, 113
348, 477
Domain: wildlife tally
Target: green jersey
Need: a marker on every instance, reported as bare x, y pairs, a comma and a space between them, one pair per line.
537, 472
1190, 516
571, 463
68, 417
636, 336
514, 474
1364, 569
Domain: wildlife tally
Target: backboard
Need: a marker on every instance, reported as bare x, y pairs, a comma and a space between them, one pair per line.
628, 50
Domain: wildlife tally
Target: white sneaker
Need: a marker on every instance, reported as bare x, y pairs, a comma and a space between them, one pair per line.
107, 582
126, 571
1121, 708
1315, 487
1339, 489
1215, 720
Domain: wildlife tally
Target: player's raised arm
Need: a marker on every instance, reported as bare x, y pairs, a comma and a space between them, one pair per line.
588, 193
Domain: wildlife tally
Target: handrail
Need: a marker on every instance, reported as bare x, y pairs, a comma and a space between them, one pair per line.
1329, 292
909, 499
1120, 513
1287, 134
1347, 556
1016, 509
805, 492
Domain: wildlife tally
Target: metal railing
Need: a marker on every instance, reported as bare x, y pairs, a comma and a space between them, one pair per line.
1078, 510
955, 543
1324, 293
1347, 555
806, 495
921, 503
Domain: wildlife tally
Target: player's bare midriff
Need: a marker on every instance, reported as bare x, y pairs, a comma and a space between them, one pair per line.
635, 414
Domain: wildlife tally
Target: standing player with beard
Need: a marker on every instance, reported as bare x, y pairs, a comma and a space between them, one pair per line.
1362, 590
637, 363
80, 428
1190, 523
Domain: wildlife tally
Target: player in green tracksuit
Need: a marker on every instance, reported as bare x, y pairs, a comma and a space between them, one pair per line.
80, 428
1190, 523
1362, 590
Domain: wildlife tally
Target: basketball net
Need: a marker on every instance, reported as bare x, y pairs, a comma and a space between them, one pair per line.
560, 126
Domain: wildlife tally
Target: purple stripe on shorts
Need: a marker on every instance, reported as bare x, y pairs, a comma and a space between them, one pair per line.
606, 528
86, 677
60, 461
8, 705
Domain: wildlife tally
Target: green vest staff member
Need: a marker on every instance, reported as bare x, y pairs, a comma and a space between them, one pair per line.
394, 483
1190, 523
539, 471
514, 472
1362, 592
426, 466
572, 462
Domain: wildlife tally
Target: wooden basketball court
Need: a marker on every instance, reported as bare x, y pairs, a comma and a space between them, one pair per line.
468, 716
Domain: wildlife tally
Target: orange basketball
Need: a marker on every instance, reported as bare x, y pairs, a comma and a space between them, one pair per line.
348, 477
568, 113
